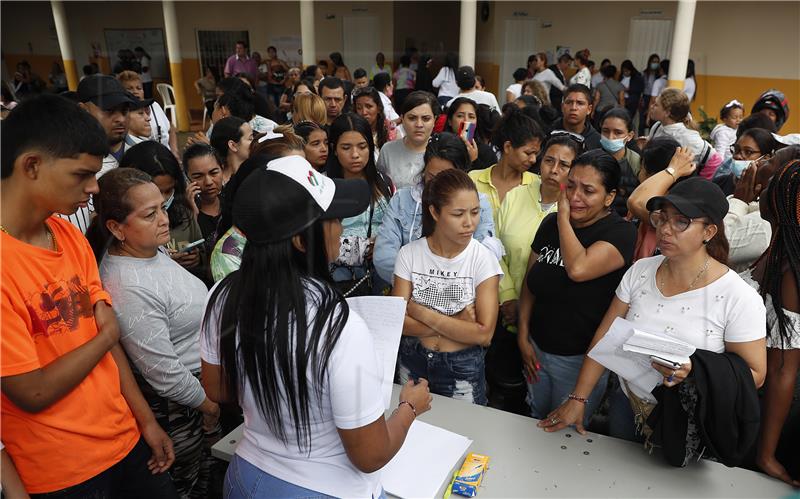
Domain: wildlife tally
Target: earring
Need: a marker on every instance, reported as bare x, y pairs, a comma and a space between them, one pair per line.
705, 241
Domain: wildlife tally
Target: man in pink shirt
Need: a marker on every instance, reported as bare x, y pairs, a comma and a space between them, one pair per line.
240, 62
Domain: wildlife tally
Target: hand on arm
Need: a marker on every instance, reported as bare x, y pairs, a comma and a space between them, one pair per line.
571, 412
411, 326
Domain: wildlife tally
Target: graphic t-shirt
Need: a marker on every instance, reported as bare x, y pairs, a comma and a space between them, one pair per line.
566, 313
48, 311
446, 285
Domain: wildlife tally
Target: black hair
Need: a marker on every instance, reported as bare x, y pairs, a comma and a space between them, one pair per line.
322, 63
520, 74
451, 61
488, 120
331, 82
763, 138
783, 205
609, 71
647, 69
619, 113
590, 64
582, 57
437, 194
517, 128
566, 141
351, 122
380, 119
627, 64
419, 98
239, 104
359, 73
579, 88
533, 112
199, 150
690, 69
232, 84
52, 125
563, 57
381, 80
310, 71
457, 103
272, 47
226, 129
529, 100
336, 59
605, 61
756, 120
88, 70
155, 159
657, 154
267, 340
111, 203
727, 108
142, 50
405, 61
241, 42
606, 166
248, 166
449, 147
665, 66
308, 83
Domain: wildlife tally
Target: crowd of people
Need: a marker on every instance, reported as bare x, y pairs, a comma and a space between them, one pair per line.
157, 296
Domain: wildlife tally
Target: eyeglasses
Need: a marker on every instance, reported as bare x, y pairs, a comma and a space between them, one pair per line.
735, 149
566, 133
678, 222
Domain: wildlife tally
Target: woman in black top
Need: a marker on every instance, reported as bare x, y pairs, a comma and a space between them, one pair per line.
578, 257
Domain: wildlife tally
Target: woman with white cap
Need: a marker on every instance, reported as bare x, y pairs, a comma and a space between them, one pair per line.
280, 340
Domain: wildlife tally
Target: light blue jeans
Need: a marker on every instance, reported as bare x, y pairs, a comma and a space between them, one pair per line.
557, 378
245, 481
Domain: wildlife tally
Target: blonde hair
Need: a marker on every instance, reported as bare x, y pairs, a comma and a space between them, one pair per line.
538, 91
676, 104
309, 107
128, 76
279, 146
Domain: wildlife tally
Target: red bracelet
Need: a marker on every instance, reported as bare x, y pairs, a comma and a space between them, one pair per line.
582, 400
413, 409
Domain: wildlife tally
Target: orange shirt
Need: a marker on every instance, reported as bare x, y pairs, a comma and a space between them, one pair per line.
48, 302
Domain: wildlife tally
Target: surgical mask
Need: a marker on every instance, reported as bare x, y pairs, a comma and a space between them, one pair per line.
738, 166
611, 145
169, 201
654, 65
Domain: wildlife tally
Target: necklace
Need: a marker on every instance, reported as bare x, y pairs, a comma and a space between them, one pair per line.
702, 271
51, 239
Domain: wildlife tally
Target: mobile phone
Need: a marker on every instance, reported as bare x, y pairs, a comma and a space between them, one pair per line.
466, 131
189, 247
665, 362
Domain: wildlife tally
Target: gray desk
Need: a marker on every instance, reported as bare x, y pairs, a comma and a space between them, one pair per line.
527, 462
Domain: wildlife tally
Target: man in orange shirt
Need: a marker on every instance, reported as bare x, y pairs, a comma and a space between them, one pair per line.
73, 419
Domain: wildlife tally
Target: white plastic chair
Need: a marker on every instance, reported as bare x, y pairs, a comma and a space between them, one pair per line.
167, 95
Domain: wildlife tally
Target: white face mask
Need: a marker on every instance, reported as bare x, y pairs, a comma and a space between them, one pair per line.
169, 200
738, 166
654, 65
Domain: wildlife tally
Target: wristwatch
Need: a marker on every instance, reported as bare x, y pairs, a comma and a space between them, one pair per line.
671, 171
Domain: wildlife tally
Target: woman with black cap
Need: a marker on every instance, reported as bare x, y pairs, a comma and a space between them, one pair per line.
687, 292
281, 341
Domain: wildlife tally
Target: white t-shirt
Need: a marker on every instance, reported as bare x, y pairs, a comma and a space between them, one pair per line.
689, 87
597, 79
728, 309
445, 81
515, 89
160, 125
351, 399
479, 96
388, 108
658, 86
549, 79
446, 285
583, 76
147, 77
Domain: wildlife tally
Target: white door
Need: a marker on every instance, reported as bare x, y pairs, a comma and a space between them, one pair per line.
361, 41
520, 42
649, 36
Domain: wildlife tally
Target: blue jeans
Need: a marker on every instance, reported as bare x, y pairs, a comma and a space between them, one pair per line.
245, 481
557, 378
621, 422
459, 375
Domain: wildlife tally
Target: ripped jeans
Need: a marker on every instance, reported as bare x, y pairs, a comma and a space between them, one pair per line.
459, 375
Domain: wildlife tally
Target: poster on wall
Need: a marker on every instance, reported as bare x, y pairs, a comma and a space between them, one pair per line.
151, 40
561, 50
289, 49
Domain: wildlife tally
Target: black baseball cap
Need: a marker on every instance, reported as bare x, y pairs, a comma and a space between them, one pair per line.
275, 203
105, 92
465, 77
694, 197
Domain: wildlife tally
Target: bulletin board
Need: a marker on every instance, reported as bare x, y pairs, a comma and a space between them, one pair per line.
152, 40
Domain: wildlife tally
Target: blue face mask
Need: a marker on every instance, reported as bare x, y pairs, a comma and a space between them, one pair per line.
654, 65
611, 145
738, 166
169, 200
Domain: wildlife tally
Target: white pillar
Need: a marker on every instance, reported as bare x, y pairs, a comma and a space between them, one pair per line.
466, 39
62, 32
307, 32
175, 64
681, 43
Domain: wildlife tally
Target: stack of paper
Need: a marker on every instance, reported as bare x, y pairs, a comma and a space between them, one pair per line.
659, 346
425, 461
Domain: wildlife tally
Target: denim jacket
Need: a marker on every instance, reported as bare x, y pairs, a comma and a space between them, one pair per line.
402, 223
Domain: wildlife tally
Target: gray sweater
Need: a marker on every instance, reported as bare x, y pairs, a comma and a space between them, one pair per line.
159, 306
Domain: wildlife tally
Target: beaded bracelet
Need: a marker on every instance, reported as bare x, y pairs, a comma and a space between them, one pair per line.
582, 400
413, 409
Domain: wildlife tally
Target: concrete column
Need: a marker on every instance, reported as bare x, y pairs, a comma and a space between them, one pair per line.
466, 37
681, 43
175, 64
70, 68
307, 32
